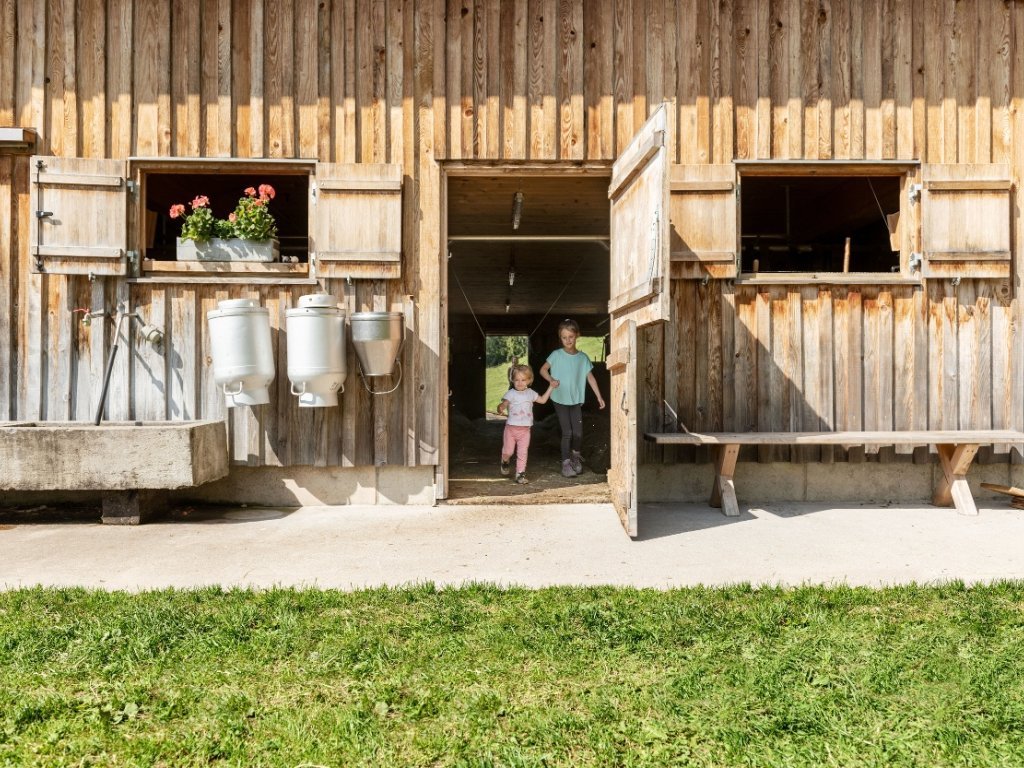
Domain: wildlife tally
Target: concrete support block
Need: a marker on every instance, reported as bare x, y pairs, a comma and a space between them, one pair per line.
133, 507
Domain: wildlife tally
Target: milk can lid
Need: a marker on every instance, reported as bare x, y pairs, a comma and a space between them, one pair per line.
238, 304
318, 300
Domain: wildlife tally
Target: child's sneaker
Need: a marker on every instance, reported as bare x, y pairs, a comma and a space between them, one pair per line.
521, 478
576, 462
567, 470
506, 467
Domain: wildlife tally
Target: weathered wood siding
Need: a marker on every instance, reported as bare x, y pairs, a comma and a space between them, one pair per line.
418, 81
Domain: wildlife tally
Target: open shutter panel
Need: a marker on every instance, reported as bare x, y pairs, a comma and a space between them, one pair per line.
80, 211
965, 220
703, 220
639, 226
357, 221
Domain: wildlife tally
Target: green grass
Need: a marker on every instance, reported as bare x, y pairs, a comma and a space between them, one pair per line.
480, 676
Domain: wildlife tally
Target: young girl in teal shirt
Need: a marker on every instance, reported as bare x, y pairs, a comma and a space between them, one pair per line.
569, 370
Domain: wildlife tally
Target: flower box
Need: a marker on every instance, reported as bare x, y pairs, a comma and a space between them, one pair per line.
228, 249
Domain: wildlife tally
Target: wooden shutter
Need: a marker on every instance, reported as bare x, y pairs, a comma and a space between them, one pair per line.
703, 220
356, 221
965, 220
80, 212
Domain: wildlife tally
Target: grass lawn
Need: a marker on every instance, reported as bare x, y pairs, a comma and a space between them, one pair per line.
479, 676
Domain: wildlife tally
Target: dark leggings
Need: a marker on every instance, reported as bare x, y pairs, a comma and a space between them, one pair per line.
570, 418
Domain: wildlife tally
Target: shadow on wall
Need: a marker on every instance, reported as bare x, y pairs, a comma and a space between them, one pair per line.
825, 358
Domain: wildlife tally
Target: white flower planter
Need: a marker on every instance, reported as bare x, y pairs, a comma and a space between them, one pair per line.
233, 249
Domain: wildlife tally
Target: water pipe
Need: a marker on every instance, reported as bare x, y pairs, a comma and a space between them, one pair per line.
121, 315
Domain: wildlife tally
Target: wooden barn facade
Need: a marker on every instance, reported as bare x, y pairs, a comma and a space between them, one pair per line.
786, 215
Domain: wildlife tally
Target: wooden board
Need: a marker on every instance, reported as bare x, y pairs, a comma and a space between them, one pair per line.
916, 437
1008, 490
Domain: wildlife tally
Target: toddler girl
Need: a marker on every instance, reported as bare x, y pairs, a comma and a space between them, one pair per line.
518, 402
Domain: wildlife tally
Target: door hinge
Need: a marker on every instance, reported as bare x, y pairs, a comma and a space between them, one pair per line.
914, 192
131, 186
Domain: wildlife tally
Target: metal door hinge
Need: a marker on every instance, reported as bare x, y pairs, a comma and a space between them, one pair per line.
131, 186
914, 192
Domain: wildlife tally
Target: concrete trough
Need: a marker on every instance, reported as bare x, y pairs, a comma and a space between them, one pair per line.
131, 462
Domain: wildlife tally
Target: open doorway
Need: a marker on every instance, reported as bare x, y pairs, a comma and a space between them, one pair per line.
526, 249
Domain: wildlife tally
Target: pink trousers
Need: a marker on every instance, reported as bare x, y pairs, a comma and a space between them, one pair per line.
516, 440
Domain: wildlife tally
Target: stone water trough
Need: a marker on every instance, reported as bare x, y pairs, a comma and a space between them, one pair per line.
133, 463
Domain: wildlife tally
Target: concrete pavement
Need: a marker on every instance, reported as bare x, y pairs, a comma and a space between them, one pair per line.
680, 544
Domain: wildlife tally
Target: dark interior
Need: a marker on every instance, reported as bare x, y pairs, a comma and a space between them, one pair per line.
800, 223
290, 205
511, 280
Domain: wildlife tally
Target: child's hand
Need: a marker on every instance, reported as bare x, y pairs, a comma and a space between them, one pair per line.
600, 402
555, 383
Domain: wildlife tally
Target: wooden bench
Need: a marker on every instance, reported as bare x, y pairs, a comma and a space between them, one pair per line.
956, 449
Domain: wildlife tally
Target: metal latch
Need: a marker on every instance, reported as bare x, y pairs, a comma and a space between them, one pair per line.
914, 192
43, 214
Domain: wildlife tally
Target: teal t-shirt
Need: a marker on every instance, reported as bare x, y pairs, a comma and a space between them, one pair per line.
571, 372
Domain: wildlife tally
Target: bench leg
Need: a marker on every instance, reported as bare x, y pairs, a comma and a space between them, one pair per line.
723, 493
953, 489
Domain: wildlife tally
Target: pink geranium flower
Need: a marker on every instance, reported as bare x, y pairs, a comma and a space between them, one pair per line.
251, 219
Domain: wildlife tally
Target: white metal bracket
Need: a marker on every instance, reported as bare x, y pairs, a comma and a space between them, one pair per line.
914, 192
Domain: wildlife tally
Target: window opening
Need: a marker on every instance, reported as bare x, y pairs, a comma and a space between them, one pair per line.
290, 206
820, 223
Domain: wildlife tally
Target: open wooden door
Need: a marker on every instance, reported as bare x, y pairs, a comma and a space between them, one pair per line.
639, 195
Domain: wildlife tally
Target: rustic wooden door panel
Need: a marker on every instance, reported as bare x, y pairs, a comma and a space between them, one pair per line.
80, 210
356, 220
702, 220
966, 220
639, 289
622, 476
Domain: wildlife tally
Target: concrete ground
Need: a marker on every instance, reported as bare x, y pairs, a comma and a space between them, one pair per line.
538, 545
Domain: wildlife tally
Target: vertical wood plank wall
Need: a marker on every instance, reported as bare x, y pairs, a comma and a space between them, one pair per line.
420, 81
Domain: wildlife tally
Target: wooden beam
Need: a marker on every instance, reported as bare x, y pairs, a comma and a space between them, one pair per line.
723, 493
953, 489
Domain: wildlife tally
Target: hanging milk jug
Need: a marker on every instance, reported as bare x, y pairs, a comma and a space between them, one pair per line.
243, 356
316, 350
